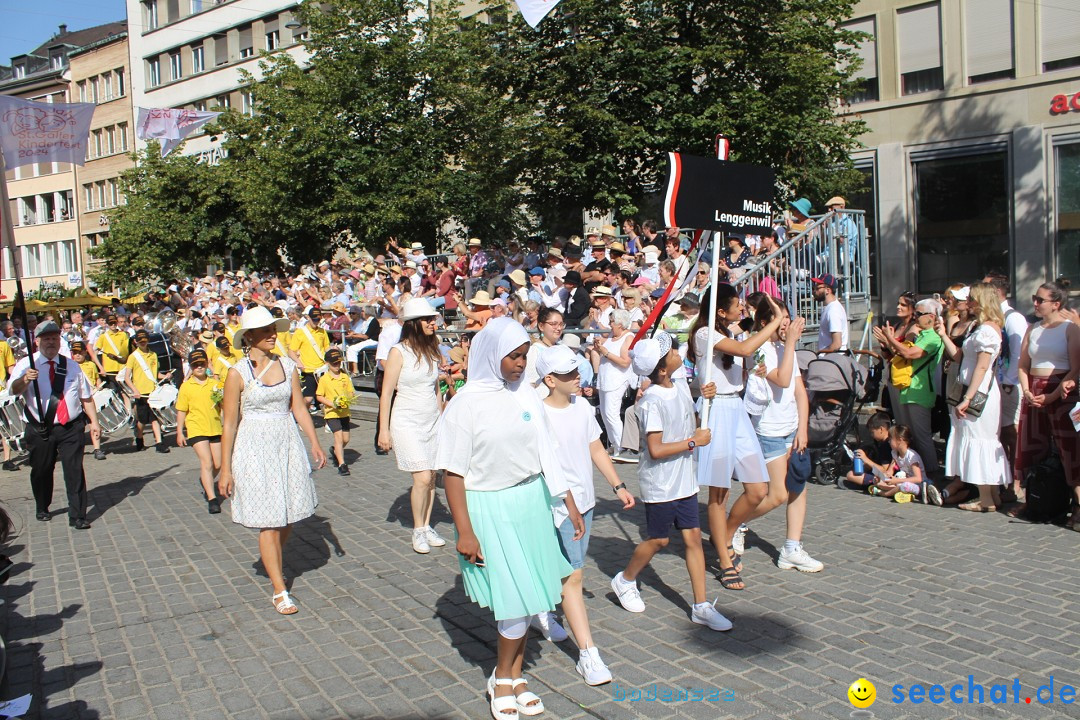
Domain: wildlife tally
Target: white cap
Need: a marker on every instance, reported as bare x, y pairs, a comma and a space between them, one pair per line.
557, 359
962, 294
648, 352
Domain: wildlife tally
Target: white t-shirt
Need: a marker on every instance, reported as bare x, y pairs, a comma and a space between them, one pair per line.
781, 417
575, 427
833, 320
669, 411
489, 440
904, 463
389, 336
729, 380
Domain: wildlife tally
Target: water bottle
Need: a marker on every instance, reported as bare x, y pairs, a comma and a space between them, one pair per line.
857, 465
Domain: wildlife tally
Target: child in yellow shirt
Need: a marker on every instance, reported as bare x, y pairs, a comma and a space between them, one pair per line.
89, 368
198, 414
335, 393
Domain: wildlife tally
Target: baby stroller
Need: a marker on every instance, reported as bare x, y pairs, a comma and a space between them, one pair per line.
835, 385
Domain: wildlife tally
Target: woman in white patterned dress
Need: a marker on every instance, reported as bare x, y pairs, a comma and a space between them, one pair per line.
263, 463
412, 371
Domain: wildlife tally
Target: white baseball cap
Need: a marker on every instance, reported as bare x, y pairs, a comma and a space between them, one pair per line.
557, 359
648, 352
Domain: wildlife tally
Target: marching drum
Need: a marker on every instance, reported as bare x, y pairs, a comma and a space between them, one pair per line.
162, 402
12, 421
113, 416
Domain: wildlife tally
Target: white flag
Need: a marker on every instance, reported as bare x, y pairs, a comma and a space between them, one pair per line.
37, 132
535, 10
170, 125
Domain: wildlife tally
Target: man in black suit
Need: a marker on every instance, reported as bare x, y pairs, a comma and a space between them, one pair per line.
576, 305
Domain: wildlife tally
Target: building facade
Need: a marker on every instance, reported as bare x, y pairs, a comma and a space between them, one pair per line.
189, 54
100, 73
43, 196
973, 156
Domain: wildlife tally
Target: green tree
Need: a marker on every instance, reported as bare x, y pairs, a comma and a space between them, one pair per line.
179, 215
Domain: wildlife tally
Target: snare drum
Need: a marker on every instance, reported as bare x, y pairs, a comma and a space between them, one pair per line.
113, 415
162, 402
12, 420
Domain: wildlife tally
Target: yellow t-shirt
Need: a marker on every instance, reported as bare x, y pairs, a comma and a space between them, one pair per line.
281, 347
7, 359
334, 386
144, 383
203, 416
310, 359
230, 330
121, 340
90, 371
211, 354
222, 362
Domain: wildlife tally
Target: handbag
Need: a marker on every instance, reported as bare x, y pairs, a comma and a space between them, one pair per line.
978, 400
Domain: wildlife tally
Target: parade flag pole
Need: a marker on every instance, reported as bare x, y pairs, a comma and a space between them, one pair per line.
36, 132
723, 147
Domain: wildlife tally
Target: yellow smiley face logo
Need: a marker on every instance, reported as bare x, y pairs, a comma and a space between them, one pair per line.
862, 693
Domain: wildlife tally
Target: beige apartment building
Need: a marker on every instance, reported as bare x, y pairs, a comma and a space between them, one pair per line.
973, 156
44, 196
99, 74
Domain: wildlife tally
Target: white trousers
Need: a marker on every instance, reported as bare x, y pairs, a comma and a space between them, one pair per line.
610, 405
352, 353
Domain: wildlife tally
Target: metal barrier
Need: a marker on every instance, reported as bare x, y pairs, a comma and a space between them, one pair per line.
835, 244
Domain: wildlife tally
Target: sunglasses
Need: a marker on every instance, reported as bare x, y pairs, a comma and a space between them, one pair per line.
922, 314
1039, 301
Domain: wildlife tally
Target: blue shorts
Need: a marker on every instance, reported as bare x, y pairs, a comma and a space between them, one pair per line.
574, 550
660, 516
775, 447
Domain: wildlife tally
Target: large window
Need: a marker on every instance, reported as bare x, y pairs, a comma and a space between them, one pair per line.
867, 73
988, 39
176, 66
198, 61
1067, 211
866, 199
962, 218
1059, 35
920, 49
154, 71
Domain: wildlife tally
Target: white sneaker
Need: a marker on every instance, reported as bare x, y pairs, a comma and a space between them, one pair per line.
800, 560
707, 614
738, 542
592, 668
628, 594
419, 541
627, 456
434, 539
548, 626
933, 495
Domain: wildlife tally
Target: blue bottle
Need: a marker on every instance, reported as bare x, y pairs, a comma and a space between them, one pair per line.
857, 465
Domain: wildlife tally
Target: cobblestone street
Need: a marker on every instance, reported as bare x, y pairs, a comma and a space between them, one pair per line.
159, 611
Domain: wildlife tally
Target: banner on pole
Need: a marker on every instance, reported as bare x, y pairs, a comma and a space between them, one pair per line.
712, 194
535, 10
170, 125
36, 132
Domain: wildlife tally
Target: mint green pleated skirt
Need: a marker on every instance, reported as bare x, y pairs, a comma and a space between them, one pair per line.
524, 566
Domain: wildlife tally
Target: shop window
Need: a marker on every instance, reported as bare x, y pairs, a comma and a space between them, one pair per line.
1067, 211
962, 218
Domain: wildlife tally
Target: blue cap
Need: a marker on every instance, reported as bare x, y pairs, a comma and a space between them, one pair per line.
503, 284
657, 293
799, 470
537, 271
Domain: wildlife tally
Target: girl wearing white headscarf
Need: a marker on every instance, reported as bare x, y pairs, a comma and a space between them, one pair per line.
503, 479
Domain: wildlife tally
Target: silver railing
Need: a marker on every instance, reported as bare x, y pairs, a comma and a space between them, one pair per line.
836, 244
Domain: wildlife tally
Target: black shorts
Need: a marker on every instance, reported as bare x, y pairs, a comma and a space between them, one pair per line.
143, 413
339, 424
204, 438
660, 516
308, 383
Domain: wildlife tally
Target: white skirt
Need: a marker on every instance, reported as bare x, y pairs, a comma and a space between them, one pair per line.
734, 450
974, 453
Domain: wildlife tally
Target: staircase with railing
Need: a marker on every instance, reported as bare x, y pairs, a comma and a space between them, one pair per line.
836, 244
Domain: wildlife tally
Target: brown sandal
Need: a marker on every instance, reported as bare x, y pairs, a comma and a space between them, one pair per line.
976, 506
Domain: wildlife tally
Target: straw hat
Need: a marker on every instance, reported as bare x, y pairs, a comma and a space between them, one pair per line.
518, 277
480, 298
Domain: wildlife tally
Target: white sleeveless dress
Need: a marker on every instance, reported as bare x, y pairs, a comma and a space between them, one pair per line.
273, 485
415, 413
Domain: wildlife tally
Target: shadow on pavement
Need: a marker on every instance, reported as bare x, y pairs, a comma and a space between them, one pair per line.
103, 498
401, 512
308, 548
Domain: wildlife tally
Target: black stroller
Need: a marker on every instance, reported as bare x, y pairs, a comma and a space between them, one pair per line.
835, 385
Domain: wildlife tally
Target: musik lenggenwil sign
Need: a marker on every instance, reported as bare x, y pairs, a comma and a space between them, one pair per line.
709, 194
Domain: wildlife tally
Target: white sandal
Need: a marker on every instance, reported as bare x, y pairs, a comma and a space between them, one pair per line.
501, 704
285, 605
527, 697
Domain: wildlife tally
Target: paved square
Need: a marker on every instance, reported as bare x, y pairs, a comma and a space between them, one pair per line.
158, 611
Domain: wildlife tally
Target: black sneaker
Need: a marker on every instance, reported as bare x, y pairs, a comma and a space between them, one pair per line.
139, 444
79, 523
214, 506
343, 470
10, 465
161, 448
99, 454
330, 454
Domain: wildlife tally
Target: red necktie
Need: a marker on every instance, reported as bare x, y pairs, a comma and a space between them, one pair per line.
61, 408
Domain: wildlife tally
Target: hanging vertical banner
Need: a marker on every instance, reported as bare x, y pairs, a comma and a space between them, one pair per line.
535, 10
712, 194
170, 125
37, 132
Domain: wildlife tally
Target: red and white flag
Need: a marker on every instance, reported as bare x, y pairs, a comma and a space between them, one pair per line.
170, 125
535, 10
36, 132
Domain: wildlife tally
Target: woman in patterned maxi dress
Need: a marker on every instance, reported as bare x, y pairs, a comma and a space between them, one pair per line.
263, 463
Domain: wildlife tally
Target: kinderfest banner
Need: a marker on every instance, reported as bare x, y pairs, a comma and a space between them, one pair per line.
710, 194
37, 132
